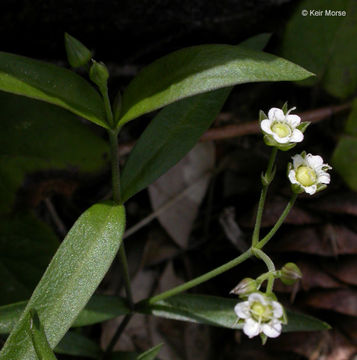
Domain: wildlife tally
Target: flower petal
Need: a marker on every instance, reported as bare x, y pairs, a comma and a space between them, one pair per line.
310, 189
265, 126
277, 309
257, 297
281, 140
292, 177
242, 310
298, 160
297, 136
251, 328
314, 161
293, 120
323, 178
272, 329
276, 114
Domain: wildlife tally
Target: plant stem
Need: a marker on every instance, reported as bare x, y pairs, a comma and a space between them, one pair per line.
113, 138
263, 195
200, 279
263, 256
126, 277
116, 336
270, 265
108, 108
275, 228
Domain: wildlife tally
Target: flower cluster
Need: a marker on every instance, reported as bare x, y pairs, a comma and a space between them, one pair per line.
260, 313
307, 172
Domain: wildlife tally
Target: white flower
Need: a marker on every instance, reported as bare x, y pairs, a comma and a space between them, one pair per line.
261, 315
308, 173
282, 130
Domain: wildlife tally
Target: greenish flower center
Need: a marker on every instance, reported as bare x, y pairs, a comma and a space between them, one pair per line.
306, 176
281, 129
261, 312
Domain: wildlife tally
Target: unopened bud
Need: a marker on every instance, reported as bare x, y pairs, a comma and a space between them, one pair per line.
77, 54
290, 273
245, 287
99, 74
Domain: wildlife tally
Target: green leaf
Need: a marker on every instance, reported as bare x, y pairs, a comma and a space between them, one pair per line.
325, 45
172, 133
75, 344
46, 82
151, 353
344, 155
74, 273
169, 136
37, 137
101, 308
345, 152
98, 309
26, 247
200, 69
38, 337
218, 311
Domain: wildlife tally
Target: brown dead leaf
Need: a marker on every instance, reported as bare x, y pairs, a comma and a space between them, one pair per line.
169, 332
345, 203
272, 211
327, 240
197, 341
345, 269
159, 248
192, 171
330, 345
342, 300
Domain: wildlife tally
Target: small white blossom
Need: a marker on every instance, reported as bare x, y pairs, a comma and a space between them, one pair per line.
308, 173
261, 315
282, 130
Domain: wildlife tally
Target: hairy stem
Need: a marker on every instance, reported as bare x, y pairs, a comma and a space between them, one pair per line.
263, 195
200, 279
275, 228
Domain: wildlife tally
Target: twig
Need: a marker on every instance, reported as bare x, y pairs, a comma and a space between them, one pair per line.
55, 217
162, 208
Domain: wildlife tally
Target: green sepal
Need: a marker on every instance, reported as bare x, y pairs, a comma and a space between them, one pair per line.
269, 140
99, 74
303, 126
266, 180
321, 187
297, 189
286, 147
285, 108
262, 116
263, 338
77, 54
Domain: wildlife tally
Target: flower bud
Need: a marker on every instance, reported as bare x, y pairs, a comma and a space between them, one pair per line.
245, 287
77, 54
99, 74
290, 273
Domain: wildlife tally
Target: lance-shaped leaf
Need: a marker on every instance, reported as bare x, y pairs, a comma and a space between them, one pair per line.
37, 137
200, 69
75, 344
98, 309
38, 337
150, 354
74, 273
219, 311
46, 82
169, 136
